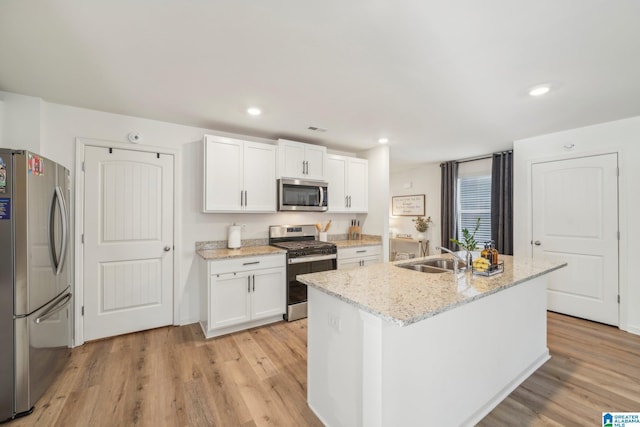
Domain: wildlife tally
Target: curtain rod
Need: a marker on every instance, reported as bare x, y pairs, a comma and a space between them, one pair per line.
486, 156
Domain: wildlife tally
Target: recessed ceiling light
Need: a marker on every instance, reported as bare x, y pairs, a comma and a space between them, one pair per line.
540, 90
253, 111
383, 140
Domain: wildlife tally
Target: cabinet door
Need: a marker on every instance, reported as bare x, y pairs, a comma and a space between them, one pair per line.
291, 159
260, 177
222, 174
316, 157
268, 293
336, 177
370, 260
230, 301
348, 264
358, 184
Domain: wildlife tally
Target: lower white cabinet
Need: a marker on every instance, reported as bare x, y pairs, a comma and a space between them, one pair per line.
359, 256
242, 293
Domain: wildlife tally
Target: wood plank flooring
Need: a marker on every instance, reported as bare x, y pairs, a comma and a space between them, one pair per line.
174, 377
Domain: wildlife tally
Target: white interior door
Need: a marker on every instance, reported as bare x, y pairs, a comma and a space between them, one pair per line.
575, 219
128, 241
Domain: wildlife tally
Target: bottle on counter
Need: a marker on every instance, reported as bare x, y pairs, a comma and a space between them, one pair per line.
485, 251
493, 254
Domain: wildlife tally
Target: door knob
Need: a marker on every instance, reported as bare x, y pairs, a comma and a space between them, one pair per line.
167, 248
537, 243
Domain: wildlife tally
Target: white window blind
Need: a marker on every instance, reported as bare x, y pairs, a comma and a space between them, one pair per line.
474, 201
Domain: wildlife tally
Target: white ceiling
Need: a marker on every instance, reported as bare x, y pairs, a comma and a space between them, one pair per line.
441, 79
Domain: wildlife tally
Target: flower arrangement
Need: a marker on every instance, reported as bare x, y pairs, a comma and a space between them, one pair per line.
422, 224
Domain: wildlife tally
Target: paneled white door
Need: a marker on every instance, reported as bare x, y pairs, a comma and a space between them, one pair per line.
128, 241
575, 219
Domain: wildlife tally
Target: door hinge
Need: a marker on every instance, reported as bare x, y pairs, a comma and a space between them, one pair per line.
82, 238
618, 172
618, 235
82, 166
82, 310
618, 299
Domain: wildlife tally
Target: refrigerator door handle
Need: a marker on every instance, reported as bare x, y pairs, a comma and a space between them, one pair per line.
59, 305
58, 263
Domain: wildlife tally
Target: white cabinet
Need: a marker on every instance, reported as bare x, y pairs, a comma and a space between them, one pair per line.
239, 176
242, 293
359, 256
348, 179
300, 160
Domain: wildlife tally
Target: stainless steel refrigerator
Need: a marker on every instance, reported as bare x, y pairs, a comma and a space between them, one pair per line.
35, 278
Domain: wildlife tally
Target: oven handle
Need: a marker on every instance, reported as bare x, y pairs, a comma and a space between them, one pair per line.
303, 259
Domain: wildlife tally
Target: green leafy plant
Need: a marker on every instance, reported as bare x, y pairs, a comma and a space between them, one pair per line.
469, 239
422, 224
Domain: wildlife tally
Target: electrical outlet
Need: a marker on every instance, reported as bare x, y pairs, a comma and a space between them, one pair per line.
335, 322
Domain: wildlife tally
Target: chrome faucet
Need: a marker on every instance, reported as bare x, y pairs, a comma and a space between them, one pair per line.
466, 262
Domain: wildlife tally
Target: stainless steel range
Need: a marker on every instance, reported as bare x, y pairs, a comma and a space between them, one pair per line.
305, 255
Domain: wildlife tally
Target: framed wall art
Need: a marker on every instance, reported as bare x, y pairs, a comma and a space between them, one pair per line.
408, 205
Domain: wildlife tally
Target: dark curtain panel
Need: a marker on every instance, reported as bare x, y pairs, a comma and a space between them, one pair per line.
449, 176
502, 201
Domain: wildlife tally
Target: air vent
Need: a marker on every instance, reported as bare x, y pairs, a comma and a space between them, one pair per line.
316, 129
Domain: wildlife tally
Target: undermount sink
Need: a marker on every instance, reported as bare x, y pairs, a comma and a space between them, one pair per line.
436, 265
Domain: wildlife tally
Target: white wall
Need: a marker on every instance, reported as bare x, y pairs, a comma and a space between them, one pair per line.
621, 136
52, 129
422, 180
378, 217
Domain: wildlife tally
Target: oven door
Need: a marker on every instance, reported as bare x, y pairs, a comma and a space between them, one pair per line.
296, 291
301, 195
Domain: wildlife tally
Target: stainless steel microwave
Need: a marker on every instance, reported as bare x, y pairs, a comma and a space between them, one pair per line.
302, 195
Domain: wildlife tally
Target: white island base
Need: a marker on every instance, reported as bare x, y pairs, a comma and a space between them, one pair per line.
450, 369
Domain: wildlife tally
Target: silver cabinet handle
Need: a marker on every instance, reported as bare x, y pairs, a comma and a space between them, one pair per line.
346, 201
254, 283
245, 199
251, 263
241, 198
361, 251
349, 201
537, 243
249, 284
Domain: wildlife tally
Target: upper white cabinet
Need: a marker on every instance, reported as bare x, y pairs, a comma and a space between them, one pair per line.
348, 179
239, 176
300, 160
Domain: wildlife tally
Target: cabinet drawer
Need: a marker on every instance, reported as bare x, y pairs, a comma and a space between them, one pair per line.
359, 252
246, 264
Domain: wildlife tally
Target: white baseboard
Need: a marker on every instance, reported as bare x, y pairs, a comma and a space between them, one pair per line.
633, 329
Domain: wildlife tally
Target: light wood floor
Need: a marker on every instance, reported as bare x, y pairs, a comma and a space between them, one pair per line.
173, 377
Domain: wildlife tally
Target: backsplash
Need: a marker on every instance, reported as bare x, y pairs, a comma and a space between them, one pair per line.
221, 244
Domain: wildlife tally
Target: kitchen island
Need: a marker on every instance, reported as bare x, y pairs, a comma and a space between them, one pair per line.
388, 346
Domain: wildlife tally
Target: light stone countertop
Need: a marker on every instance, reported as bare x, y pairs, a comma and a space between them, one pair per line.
404, 296
356, 243
245, 251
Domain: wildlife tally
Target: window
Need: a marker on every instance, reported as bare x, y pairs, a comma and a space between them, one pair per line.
474, 201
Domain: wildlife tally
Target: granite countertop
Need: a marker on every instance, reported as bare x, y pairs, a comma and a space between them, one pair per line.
356, 243
404, 296
245, 251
